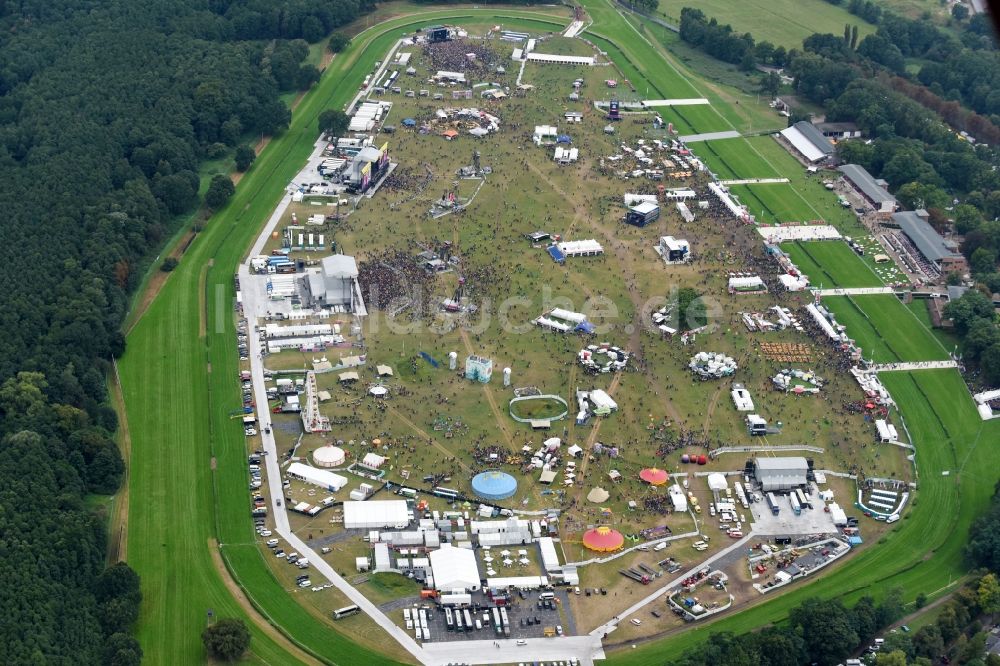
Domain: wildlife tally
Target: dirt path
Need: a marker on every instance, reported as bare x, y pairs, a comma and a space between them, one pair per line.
498, 416
711, 409
259, 620
118, 520
430, 440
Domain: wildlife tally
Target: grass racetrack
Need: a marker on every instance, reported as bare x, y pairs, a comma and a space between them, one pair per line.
924, 552
885, 329
188, 477
735, 158
188, 480
831, 264
774, 202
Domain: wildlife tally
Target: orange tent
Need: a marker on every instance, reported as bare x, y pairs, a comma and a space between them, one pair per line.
603, 539
654, 476
449, 134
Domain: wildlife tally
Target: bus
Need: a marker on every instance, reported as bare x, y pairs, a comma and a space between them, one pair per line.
449, 620
773, 503
803, 502
458, 621
407, 492
446, 493
496, 620
794, 501
345, 611
468, 620
506, 622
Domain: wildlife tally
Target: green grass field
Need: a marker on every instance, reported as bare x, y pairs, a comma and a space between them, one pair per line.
775, 202
734, 158
924, 552
188, 480
831, 264
781, 22
885, 329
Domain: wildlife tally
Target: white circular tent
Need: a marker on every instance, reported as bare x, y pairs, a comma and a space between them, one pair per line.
329, 456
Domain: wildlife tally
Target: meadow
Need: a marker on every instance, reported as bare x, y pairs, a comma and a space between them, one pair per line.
923, 552
781, 22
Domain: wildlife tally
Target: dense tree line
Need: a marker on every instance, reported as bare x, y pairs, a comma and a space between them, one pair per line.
976, 324
716, 39
106, 112
983, 549
956, 635
865, 9
819, 631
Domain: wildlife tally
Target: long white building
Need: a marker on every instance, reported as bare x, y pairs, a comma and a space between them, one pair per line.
317, 477
372, 515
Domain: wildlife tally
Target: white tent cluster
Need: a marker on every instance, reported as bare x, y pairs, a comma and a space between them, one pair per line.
660, 319
485, 122
799, 381
755, 321
596, 402
603, 359
712, 365
563, 321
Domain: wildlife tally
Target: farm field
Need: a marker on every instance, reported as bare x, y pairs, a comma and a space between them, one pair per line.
188, 477
831, 264
781, 22
885, 329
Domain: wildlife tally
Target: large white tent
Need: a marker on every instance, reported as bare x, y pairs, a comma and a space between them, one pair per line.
317, 477
376, 514
454, 569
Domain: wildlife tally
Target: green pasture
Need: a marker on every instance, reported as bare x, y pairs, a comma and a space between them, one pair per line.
701, 118
781, 22
831, 264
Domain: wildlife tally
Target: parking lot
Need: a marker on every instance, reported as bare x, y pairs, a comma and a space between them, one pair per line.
811, 521
527, 619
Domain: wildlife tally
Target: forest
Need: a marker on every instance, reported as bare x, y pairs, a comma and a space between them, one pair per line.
107, 113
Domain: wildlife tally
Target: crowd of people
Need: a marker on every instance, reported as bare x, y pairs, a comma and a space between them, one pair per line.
392, 277
453, 56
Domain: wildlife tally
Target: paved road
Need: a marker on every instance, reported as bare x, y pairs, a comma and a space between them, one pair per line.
274, 479
710, 136
915, 365
854, 291
585, 648
608, 627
